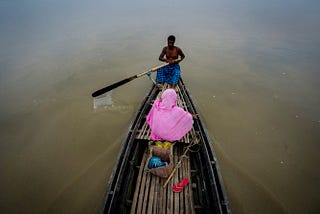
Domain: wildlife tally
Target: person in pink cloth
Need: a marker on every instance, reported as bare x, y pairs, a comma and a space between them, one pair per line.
167, 121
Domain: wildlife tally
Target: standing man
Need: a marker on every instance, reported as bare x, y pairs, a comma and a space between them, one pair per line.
170, 74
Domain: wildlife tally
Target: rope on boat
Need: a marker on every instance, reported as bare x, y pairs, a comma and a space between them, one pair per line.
149, 75
195, 141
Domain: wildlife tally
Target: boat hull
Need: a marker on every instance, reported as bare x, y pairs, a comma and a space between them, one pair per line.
206, 189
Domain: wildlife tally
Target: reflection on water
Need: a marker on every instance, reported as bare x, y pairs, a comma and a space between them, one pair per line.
251, 66
103, 100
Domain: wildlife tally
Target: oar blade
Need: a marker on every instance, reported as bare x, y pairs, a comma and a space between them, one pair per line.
113, 86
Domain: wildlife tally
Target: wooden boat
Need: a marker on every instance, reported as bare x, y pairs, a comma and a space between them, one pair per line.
132, 190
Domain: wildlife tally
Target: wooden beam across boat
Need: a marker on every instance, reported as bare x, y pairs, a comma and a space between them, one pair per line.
131, 189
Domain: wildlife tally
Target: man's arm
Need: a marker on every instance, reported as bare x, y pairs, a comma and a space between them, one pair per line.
181, 54
163, 53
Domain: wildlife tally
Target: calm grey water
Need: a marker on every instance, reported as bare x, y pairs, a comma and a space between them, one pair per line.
252, 67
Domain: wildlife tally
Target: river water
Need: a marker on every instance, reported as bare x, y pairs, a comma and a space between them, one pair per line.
251, 66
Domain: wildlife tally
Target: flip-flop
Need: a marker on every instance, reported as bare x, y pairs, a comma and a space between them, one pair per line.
179, 186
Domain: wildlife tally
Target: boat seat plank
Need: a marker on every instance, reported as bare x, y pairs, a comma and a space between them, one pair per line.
144, 134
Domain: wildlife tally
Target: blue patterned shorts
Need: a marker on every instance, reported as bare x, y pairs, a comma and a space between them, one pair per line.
169, 74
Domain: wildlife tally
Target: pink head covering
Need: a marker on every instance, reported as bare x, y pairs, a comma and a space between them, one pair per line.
168, 121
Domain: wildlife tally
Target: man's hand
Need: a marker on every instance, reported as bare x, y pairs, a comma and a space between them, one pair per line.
195, 117
173, 61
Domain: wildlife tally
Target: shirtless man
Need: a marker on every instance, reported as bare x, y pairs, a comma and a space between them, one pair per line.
171, 73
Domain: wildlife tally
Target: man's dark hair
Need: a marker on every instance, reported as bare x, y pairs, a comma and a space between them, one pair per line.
172, 38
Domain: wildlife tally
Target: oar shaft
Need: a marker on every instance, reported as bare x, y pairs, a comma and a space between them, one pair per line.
124, 81
176, 167
114, 85
180, 161
152, 70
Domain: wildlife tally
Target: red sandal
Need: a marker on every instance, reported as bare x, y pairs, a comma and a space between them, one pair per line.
179, 186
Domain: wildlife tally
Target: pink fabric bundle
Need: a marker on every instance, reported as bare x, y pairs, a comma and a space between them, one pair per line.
168, 121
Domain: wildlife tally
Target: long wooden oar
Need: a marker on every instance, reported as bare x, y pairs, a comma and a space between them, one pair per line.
124, 81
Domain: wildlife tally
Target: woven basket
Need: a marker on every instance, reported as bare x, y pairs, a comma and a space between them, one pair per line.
165, 155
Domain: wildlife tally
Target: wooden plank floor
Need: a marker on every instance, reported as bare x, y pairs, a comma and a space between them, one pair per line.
151, 197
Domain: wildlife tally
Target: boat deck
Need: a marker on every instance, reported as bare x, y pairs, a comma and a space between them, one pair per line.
149, 195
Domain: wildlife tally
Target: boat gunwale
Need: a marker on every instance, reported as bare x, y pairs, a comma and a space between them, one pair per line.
112, 182
212, 158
